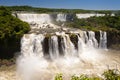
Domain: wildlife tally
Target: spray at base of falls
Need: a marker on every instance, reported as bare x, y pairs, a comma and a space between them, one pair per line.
44, 55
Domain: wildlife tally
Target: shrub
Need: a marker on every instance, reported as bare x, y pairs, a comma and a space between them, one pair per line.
58, 77
84, 77
112, 74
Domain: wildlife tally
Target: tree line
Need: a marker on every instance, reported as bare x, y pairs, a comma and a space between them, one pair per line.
56, 10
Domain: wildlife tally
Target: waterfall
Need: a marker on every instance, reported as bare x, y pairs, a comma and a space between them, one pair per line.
27, 44
61, 17
81, 45
103, 40
61, 44
31, 44
37, 21
86, 37
38, 45
45, 52
69, 46
92, 42
34, 17
57, 52
53, 47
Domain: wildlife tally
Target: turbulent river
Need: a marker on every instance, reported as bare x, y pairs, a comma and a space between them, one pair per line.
34, 68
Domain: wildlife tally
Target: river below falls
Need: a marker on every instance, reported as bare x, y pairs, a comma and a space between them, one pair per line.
93, 64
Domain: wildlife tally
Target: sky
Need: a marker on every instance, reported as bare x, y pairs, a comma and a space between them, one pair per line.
67, 4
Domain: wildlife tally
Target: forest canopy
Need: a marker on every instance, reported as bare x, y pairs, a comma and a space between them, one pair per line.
10, 26
57, 10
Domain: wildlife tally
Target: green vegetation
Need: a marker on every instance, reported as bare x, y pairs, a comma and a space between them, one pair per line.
59, 77
11, 31
11, 27
46, 10
55, 10
110, 24
96, 23
84, 77
111, 74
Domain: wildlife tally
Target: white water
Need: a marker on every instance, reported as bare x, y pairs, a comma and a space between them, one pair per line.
61, 17
88, 15
103, 40
92, 42
87, 58
53, 47
37, 21
33, 17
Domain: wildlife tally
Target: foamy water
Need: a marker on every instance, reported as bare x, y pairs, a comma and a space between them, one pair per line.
32, 68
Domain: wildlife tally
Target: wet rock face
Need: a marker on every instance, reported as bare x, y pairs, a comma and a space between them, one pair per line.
97, 36
10, 50
113, 38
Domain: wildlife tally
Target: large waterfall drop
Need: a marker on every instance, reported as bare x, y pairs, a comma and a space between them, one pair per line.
32, 44
43, 55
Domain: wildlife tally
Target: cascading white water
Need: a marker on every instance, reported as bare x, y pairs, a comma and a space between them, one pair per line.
103, 40
92, 42
81, 45
32, 43
61, 17
34, 18
37, 21
61, 50
27, 44
38, 45
53, 47
69, 46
